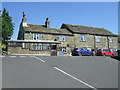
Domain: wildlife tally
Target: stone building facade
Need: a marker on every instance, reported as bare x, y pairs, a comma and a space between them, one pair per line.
41, 39
92, 37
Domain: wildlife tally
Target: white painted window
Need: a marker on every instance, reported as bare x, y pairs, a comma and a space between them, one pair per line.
64, 49
110, 39
62, 38
40, 46
82, 37
37, 36
23, 45
97, 38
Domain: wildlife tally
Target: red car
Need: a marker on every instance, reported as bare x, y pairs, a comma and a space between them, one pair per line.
104, 52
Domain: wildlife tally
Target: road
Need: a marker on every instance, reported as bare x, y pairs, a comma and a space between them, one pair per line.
59, 72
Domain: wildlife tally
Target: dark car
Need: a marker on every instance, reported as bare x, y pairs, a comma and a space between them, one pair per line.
81, 52
104, 52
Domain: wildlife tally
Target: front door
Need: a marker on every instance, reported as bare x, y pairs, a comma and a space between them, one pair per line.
53, 50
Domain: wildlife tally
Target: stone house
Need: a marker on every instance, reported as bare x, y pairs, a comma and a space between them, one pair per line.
40, 39
118, 42
91, 37
43, 40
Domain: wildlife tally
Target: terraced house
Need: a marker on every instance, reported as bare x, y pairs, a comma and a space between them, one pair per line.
43, 40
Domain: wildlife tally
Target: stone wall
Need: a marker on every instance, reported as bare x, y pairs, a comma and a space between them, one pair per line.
20, 50
91, 43
88, 43
72, 41
103, 42
114, 43
118, 46
29, 36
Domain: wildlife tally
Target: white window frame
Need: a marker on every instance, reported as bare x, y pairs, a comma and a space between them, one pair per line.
62, 38
37, 37
64, 49
97, 38
110, 39
82, 37
23, 45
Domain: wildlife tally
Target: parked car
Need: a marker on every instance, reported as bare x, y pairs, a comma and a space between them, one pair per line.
104, 52
81, 52
114, 51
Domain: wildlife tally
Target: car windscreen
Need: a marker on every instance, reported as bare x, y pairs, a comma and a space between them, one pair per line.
106, 50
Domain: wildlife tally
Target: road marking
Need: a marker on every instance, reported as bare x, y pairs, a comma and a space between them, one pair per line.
39, 59
75, 78
12, 56
2, 56
22, 56
31, 56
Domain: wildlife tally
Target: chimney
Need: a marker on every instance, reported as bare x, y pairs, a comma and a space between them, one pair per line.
24, 21
47, 23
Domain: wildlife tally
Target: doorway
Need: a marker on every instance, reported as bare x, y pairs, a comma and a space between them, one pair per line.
53, 50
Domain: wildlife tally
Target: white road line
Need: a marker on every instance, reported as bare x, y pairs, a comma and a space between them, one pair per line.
75, 78
31, 56
22, 56
39, 59
2, 56
12, 56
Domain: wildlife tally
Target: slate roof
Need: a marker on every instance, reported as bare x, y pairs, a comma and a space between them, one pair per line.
43, 29
87, 30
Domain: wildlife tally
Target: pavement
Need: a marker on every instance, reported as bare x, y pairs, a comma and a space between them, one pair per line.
23, 71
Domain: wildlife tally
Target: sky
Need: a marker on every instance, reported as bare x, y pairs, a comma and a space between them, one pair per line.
95, 14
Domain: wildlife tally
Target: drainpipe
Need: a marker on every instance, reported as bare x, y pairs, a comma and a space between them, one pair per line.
108, 42
94, 44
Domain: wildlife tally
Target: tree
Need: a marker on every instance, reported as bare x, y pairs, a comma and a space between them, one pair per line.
7, 28
7, 25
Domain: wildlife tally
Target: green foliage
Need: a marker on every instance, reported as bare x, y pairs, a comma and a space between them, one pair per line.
7, 25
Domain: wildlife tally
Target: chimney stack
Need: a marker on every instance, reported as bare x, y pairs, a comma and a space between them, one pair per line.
24, 21
47, 23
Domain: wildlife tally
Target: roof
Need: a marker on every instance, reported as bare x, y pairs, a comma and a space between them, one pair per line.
43, 29
87, 30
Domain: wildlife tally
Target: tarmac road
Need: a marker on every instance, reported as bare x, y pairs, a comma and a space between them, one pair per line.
59, 72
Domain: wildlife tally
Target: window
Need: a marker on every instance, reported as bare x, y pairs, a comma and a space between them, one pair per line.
82, 38
110, 39
25, 45
37, 36
63, 49
97, 38
40, 46
62, 38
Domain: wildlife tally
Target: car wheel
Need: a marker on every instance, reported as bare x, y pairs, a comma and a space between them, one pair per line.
80, 54
113, 55
104, 55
